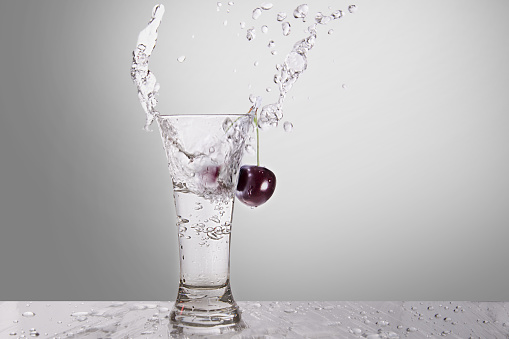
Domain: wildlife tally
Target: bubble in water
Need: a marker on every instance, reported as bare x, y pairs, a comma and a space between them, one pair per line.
286, 28
271, 44
28, 314
352, 8
251, 34
301, 11
264, 29
256, 13
287, 126
281, 16
266, 6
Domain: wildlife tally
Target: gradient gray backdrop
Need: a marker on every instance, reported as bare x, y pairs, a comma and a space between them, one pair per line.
393, 188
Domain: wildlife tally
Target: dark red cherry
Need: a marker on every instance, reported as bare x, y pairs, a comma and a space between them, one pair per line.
256, 185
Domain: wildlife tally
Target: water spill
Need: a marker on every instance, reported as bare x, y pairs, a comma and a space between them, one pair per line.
144, 79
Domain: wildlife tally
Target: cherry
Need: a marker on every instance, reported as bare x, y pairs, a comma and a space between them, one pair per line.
256, 185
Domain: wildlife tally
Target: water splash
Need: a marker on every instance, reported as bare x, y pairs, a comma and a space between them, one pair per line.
144, 79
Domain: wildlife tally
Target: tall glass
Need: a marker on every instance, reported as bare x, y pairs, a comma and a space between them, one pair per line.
204, 154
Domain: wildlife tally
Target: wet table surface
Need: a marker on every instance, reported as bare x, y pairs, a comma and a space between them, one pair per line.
266, 319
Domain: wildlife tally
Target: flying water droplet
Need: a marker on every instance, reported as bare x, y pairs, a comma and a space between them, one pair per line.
322, 19
286, 28
181, 58
287, 126
330, 31
301, 11
273, 52
271, 44
28, 314
266, 6
337, 14
268, 89
256, 63
256, 13
225, 23
411, 329
352, 8
251, 34
281, 16
231, 3
264, 29
242, 25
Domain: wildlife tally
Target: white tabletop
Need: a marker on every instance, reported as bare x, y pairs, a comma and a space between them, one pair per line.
267, 319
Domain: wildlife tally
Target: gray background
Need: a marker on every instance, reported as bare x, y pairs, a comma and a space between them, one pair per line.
393, 188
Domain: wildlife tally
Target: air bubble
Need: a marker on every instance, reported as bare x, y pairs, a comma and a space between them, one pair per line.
181, 58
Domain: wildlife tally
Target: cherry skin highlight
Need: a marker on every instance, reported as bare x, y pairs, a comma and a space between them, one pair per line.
256, 185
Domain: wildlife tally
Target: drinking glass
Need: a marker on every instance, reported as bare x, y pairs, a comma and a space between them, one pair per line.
204, 154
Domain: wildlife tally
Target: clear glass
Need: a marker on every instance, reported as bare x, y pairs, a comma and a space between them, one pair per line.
204, 154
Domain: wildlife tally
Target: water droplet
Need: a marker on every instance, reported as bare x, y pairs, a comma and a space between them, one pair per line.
256, 13
268, 89
356, 331
344, 86
322, 19
411, 329
288, 126
266, 6
12, 333
286, 28
281, 16
231, 3
337, 14
447, 319
255, 63
225, 23
219, 4
430, 308
250, 34
352, 8
181, 58
264, 29
15, 321
28, 314
274, 52
330, 31
438, 315
301, 11
290, 310
242, 25
271, 44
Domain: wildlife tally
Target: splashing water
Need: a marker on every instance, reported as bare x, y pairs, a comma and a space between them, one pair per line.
144, 79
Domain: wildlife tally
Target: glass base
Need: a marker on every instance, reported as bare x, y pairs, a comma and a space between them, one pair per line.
206, 308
